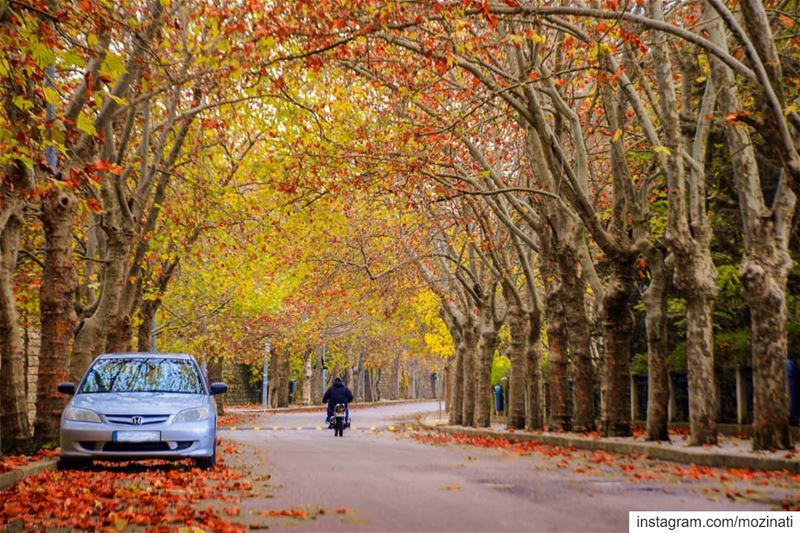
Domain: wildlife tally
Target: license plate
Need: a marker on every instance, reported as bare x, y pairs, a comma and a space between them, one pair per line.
137, 436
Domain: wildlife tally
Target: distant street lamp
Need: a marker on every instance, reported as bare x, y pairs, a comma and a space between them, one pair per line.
265, 381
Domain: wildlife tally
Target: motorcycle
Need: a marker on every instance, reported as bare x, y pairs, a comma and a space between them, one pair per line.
341, 419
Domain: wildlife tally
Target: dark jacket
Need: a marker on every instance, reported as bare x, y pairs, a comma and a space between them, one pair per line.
337, 393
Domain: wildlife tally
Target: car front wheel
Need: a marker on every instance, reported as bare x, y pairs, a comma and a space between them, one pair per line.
207, 463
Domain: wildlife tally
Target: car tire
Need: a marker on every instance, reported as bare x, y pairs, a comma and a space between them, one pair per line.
207, 463
72, 463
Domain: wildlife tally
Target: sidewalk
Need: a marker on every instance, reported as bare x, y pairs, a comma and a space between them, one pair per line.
17, 472
730, 453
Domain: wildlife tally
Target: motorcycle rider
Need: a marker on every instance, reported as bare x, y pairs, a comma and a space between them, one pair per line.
337, 393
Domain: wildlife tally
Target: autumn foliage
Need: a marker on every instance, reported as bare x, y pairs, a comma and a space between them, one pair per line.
156, 495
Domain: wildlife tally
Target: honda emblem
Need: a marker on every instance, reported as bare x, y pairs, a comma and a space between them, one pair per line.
136, 420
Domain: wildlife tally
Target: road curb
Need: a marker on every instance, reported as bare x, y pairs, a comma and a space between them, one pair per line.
7, 479
664, 452
301, 408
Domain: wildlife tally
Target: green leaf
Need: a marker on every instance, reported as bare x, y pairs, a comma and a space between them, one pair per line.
42, 54
51, 96
86, 125
71, 58
23, 103
113, 66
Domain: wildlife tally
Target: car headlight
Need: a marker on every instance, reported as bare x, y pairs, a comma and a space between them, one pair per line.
197, 414
77, 414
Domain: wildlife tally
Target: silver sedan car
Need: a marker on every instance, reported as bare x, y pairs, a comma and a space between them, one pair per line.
140, 406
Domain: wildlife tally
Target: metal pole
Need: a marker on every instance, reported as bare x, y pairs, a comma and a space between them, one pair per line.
439, 395
265, 380
154, 331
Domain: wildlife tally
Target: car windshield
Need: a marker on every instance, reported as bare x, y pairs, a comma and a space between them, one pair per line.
143, 374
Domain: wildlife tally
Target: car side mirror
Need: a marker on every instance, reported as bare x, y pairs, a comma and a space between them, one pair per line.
67, 388
218, 388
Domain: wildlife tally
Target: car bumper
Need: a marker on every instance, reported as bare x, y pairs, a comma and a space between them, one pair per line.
175, 441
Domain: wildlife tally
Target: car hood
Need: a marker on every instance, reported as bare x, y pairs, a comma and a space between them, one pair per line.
138, 403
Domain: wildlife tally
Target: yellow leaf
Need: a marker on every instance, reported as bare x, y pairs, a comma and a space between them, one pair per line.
617, 135
22, 103
51, 96
660, 149
85, 124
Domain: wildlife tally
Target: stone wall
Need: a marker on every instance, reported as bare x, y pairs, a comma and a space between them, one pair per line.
240, 389
32, 342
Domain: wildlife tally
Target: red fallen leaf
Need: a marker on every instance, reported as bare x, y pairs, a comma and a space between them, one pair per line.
293, 513
112, 496
342, 511
744, 474
232, 511
580, 470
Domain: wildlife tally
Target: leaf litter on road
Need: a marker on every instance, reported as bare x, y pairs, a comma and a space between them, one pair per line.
779, 488
156, 495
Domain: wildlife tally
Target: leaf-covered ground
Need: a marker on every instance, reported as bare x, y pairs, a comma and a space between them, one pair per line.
12, 462
155, 495
778, 488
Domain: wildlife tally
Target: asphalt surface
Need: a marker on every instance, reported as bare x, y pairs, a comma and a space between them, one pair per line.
385, 481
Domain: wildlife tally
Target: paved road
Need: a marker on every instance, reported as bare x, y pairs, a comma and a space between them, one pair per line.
389, 482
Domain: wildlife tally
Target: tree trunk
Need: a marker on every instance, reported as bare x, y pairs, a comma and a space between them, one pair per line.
655, 302
307, 375
559, 419
689, 235
470, 356
456, 381
766, 262
316, 377
58, 319
615, 413
765, 291
486, 348
700, 298
119, 334
518, 327
534, 419
144, 334
394, 379
284, 373
13, 400
90, 339
577, 332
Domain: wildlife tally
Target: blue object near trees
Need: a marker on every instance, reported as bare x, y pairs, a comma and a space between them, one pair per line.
498, 399
793, 375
